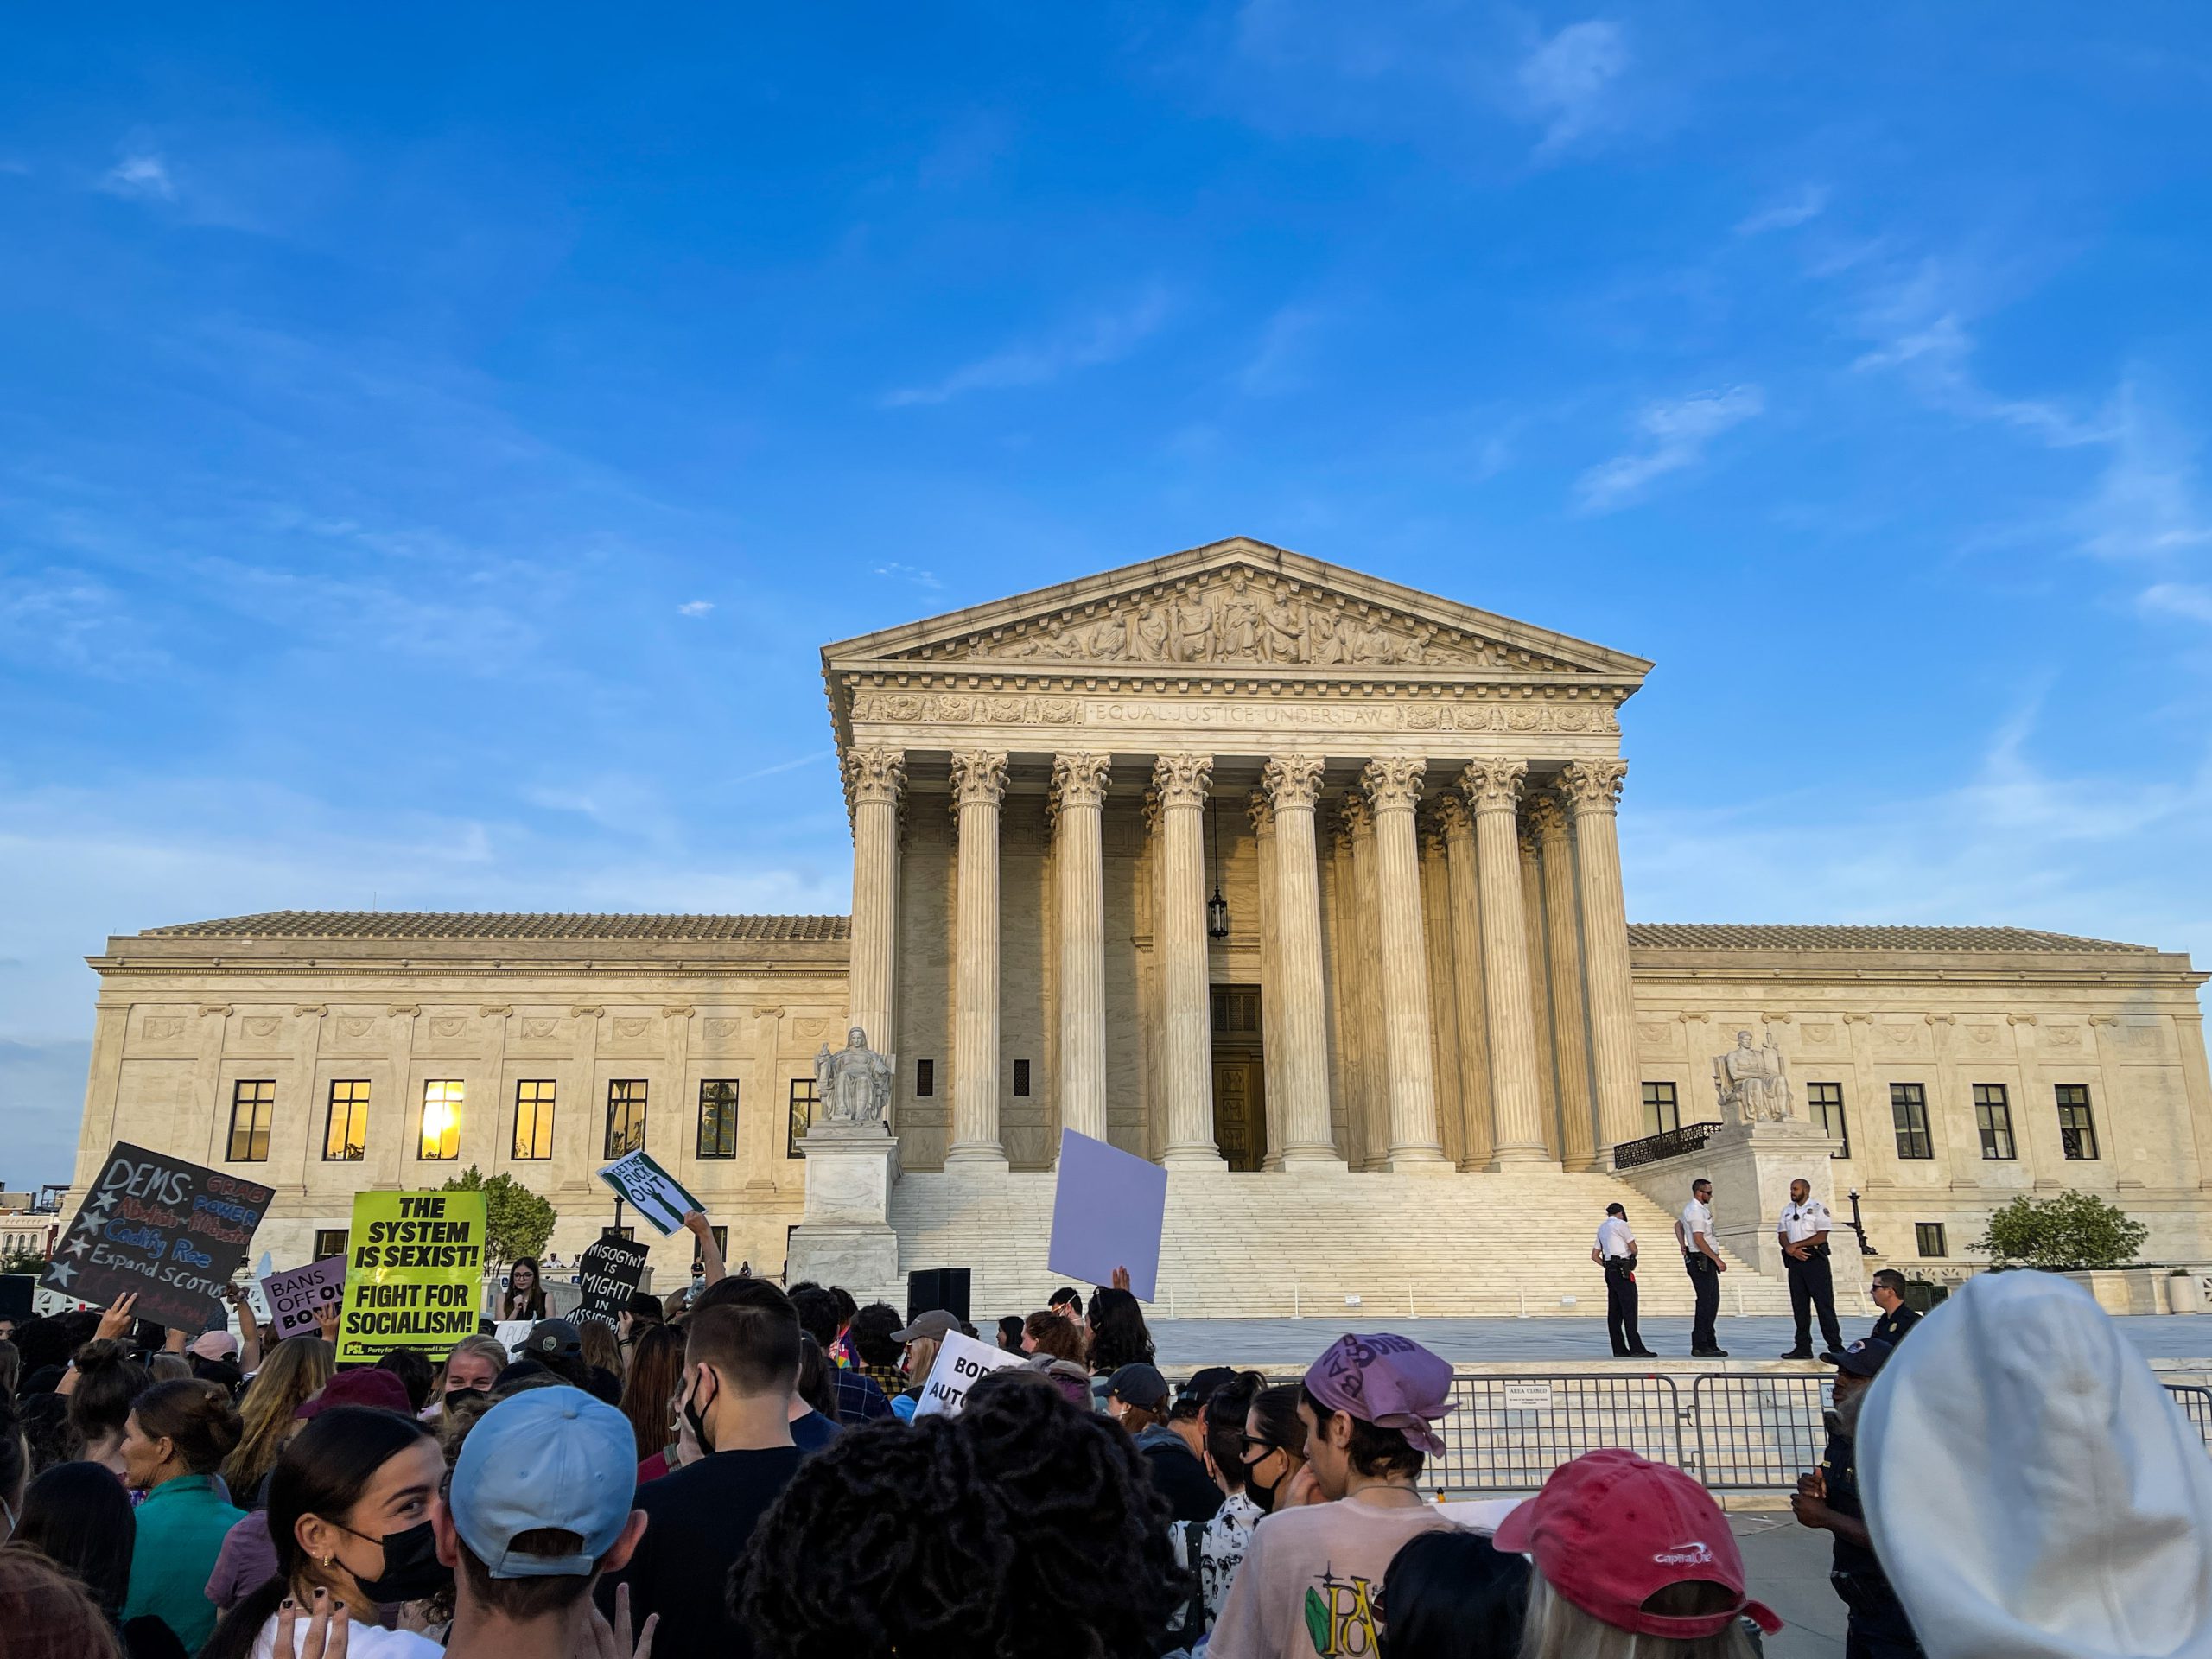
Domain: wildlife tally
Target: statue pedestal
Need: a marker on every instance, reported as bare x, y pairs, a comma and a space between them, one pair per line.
846, 1238
1750, 1167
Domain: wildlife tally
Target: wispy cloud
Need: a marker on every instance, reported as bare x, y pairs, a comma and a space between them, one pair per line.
1801, 207
899, 572
1675, 435
1272, 367
1568, 81
2148, 505
1104, 336
141, 175
781, 766
695, 608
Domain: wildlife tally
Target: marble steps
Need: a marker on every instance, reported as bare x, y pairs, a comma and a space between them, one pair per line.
1305, 1242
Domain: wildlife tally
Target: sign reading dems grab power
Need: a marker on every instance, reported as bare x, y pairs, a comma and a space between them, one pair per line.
959, 1362
171, 1231
414, 1274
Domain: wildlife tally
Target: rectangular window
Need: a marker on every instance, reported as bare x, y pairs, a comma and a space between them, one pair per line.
1930, 1236
534, 1119
625, 1117
721, 1247
252, 1104
346, 1131
801, 1114
2077, 1132
627, 1235
1662, 1111
1021, 1077
925, 1078
1908, 1107
1992, 1117
1825, 1102
441, 1137
718, 1118
329, 1242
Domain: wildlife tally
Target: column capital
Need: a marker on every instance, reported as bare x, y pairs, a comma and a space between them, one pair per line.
1261, 806
1549, 818
1182, 780
1525, 833
1454, 816
978, 778
1355, 813
1593, 786
1428, 824
873, 775
1394, 783
1293, 780
1078, 780
1494, 786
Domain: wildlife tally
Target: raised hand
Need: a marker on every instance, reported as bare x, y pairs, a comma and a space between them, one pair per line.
326, 1319
328, 1629
115, 1320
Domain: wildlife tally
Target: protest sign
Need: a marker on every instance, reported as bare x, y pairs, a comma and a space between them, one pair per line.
959, 1362
293, 1296
1108, 1211
414, 1274
510, 1334
657, 1195
16, 1296
170, 1231
608, 1276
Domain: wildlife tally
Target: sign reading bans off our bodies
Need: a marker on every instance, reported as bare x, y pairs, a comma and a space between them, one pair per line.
414, 1274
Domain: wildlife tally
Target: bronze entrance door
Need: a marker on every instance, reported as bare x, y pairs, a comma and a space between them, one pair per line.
1240, 1107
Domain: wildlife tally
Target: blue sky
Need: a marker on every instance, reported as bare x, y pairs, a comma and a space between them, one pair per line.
433, 447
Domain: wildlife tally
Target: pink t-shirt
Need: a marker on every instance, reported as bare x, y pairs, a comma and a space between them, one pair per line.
1311, 1587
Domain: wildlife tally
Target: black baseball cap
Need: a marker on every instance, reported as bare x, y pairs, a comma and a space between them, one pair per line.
1864, 1358
1139, 1385
550, 1336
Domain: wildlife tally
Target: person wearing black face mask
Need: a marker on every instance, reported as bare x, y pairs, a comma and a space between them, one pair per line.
1276, 1474
350, 1504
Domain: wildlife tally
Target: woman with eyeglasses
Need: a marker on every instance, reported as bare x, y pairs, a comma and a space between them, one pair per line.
1276, 1472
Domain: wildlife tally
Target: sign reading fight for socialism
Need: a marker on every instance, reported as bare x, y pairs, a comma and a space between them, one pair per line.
609, 1274
414, 1274
959, 1362
172, 1231
293, 1296
657, 1195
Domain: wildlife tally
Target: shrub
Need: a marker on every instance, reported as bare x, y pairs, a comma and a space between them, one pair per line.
2073, 1230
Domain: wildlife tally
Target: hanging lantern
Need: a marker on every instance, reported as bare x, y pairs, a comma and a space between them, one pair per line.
1216, 906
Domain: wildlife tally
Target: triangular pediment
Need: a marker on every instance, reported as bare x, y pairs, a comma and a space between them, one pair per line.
1236, 606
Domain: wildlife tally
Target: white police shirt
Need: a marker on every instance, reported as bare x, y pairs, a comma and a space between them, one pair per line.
1801, 1221
1696, 1218
1614, 1239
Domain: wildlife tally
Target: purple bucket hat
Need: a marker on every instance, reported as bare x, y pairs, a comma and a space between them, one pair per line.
1390, 1381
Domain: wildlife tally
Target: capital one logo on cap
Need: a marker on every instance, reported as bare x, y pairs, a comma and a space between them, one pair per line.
1693, 1553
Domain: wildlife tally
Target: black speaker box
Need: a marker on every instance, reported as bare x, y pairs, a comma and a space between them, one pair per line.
935, 1287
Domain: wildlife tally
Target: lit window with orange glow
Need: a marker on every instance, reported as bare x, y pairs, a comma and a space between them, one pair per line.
441, 1121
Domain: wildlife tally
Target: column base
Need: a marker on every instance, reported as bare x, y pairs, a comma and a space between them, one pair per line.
1521, 1158
1193, 1158
980, 1155
1418, 1160
1311, 1158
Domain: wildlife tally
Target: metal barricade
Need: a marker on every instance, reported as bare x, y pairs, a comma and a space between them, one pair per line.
2195, 1402
1758, 1431
1507, 1433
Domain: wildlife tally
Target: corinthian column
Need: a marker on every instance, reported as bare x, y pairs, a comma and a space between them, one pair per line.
978, 784
1078, 803
1478, 1134
1370, 1104
1493, 790
873, 781
1570, 1015
1593, 789
1262, 810
1394, 788
1540, 990
1293, 782
1180, 783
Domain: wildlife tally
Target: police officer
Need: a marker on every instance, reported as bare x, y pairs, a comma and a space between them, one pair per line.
1896, 1319
1829, 1497
1701, 1260
1616, 1254
1803, 1230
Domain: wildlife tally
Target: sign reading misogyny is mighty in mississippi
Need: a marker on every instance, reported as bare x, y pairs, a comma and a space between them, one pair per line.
414, 1274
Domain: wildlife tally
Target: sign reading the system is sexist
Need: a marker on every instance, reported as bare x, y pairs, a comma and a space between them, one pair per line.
172, 1231
414, 1274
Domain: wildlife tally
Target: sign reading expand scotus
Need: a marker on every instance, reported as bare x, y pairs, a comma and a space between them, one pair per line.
414, 1274
173, 1232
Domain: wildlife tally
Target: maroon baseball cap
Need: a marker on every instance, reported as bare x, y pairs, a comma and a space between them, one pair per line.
367, 1387
1610, 1531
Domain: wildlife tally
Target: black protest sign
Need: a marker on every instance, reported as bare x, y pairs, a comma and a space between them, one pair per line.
609, 1273
173, 1232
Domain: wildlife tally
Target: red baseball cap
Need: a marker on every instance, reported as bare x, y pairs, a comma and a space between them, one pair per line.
1610, 1531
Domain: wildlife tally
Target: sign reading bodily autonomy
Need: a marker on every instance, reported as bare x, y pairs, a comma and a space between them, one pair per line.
655, 1194
960, 1361
414, 1274
609, 1276
171, 1231
295, 1295
1109, 1210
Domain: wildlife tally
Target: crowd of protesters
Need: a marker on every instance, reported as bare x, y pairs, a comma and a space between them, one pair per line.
748, 1470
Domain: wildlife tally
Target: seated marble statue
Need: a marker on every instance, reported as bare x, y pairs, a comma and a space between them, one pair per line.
852, 1083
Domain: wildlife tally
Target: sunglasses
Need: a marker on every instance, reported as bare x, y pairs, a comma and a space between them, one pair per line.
1255, 1448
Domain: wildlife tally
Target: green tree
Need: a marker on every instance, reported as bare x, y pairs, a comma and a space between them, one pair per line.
23, 1261
2073, 1230
518, 1221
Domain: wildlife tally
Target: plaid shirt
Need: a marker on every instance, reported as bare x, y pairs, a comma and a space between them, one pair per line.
859, 1400
889, 1378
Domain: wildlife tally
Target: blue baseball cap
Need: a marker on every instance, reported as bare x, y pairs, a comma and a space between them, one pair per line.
546, 1457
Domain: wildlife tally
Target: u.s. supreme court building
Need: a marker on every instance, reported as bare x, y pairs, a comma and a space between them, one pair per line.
1304, 884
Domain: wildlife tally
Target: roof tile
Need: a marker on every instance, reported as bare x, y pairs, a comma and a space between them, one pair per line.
1721, 936
511, 924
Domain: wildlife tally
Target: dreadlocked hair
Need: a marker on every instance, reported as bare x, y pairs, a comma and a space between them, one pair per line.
1022, 1529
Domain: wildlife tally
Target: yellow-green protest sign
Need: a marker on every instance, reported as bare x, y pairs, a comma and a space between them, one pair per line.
414, 1274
